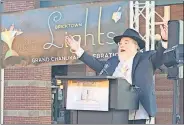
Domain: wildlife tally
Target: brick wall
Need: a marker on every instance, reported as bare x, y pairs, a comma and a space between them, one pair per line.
164, 87
164, 91
28, 73
27, 89
19, 5
27, 120
27, 95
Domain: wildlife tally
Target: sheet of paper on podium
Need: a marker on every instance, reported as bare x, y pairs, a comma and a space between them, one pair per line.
88, 95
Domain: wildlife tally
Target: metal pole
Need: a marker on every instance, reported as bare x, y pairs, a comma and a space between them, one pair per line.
1, 83
1, 121
2, 95
56, 105
175, 116
152, 18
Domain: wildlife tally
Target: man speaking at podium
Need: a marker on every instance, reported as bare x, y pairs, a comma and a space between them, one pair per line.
136, 67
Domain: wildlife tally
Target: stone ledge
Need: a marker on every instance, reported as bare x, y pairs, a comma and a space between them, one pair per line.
165, 110
27, 113
36, 83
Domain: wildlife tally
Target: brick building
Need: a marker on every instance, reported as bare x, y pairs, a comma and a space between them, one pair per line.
27, 97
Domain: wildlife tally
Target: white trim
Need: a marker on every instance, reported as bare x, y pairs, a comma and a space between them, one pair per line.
147, 26
136, 17
152, 25
181, 32
2, 95
167, 13
131, 18
181, 41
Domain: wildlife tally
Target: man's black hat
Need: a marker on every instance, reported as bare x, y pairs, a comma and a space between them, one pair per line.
132, 34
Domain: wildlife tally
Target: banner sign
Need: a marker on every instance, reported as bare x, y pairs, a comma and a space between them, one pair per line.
88, 95
37, 37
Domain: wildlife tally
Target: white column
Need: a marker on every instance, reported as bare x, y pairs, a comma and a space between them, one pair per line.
136, 16
2, 95
181, 41
152, 25
131, 18
147, 26
152, 39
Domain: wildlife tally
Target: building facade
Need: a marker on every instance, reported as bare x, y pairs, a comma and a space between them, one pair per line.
27, 90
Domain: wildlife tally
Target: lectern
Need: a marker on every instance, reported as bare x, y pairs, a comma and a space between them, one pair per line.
98, 99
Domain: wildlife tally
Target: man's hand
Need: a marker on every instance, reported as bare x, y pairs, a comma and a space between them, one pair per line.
164, 35
164, 31
72, 43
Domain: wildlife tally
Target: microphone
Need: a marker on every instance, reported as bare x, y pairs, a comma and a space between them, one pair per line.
104, 69
134, 88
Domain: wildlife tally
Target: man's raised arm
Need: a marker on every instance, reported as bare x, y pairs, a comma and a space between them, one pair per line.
158, 57
89, 60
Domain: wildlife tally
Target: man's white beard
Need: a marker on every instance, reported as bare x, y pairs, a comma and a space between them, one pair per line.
123, 56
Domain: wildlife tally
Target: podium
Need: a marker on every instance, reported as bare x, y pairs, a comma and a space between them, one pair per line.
98, 99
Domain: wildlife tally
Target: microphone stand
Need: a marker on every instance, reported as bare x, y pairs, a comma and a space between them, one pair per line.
177, 50
176, 116
176, 94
